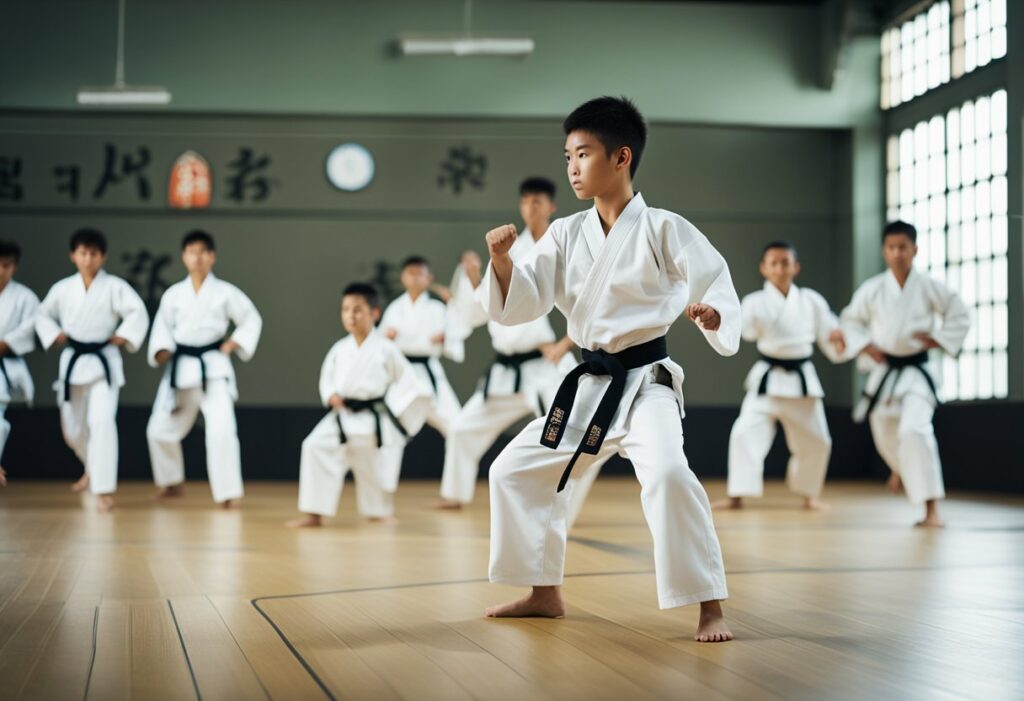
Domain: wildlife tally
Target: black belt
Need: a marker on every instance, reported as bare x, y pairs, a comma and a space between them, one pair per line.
597, 362
376, 406
81, 349
515, 362
424, 360
193, 352
3, 371
790, 365
898, 363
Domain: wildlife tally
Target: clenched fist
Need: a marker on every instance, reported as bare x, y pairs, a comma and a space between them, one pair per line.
500, 240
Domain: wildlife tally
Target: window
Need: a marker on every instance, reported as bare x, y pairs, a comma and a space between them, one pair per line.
947, 176
979, 34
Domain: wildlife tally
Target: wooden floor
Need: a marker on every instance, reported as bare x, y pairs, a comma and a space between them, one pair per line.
186, 601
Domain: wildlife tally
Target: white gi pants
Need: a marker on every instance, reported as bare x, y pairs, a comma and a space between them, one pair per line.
904, 436
445, 407
325, 462
167, 428
528, 517
89, 424
807, 436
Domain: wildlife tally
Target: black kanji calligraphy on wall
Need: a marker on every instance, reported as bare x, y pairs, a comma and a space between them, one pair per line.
10, 176
68, 177
247, 183
462, 167
144, 274
116, 170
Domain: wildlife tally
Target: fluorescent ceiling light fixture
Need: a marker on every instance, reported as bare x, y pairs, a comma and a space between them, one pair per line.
465, 46
121, 93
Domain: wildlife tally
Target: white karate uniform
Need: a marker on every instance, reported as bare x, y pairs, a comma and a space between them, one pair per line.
374, 369
784, 327
110, 307
416, 324
617, 292
482, 420
883, 313
18, 306
198, 318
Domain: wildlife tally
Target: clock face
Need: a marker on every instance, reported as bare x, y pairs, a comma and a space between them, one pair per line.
350, 167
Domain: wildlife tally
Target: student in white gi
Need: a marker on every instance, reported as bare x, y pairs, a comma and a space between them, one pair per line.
529, 361
93, 315
190, 339
18, 306
418, 325
893, 320
376, 402
622, 273
785, 321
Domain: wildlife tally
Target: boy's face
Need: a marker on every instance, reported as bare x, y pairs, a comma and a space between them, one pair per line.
8, 266
198, 259
88, 260
898, 251
357, 316
416, 279
591, 169
779, 266
536, 209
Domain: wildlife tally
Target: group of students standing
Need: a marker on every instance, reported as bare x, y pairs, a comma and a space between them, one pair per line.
621, 272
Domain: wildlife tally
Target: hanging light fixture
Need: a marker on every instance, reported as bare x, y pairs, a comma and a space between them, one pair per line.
464, 44
120, 93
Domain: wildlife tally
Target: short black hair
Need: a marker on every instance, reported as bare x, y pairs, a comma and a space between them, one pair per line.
537, 186
415, 260
779, 244
364, 290
899, 227
9, 249
615, 121
198, 236
89, 238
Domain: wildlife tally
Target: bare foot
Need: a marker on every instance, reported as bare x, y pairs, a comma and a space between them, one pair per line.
812, 504
307, 521
931, 516
382, 519
82, 484
171, 492
542, 602
3, 477
727, 503
446, 505
231, 504
104, 503
894, 484
712, 627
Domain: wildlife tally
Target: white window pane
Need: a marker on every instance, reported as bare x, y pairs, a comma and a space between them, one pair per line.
923, 250
921, 181
953, 169
968, 376
937, 212
969, 283
892, 214
998, 42
967, 170
998, 109
968, 241
984, 376
953, 207
936, 135
967, 204
906, 212
998, 156
953, 126
892, 153
967, 123
985, 49
985, 296
1000, 288
1000, 327
999, 195
970, 55
998, 13
892, 187
906, 186
953, 245
1000, 376
937, 174
920, 217
953, 278
983, 159
937, 255
982, 118
906, 148
983, 199
983, 237
1000, 236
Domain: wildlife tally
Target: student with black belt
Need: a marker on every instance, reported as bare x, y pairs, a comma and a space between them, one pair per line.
893, 320
785, 321
529, 360
18, 305
92, 314
190, 340
622, 273
375, 402
419, 326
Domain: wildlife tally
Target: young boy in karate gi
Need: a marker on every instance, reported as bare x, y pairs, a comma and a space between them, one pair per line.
622, 273
190, 339
18, 305
375, 403
785, 321
893, 320
92, 315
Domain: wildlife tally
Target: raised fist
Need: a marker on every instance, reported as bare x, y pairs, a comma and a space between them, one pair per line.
500, 240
